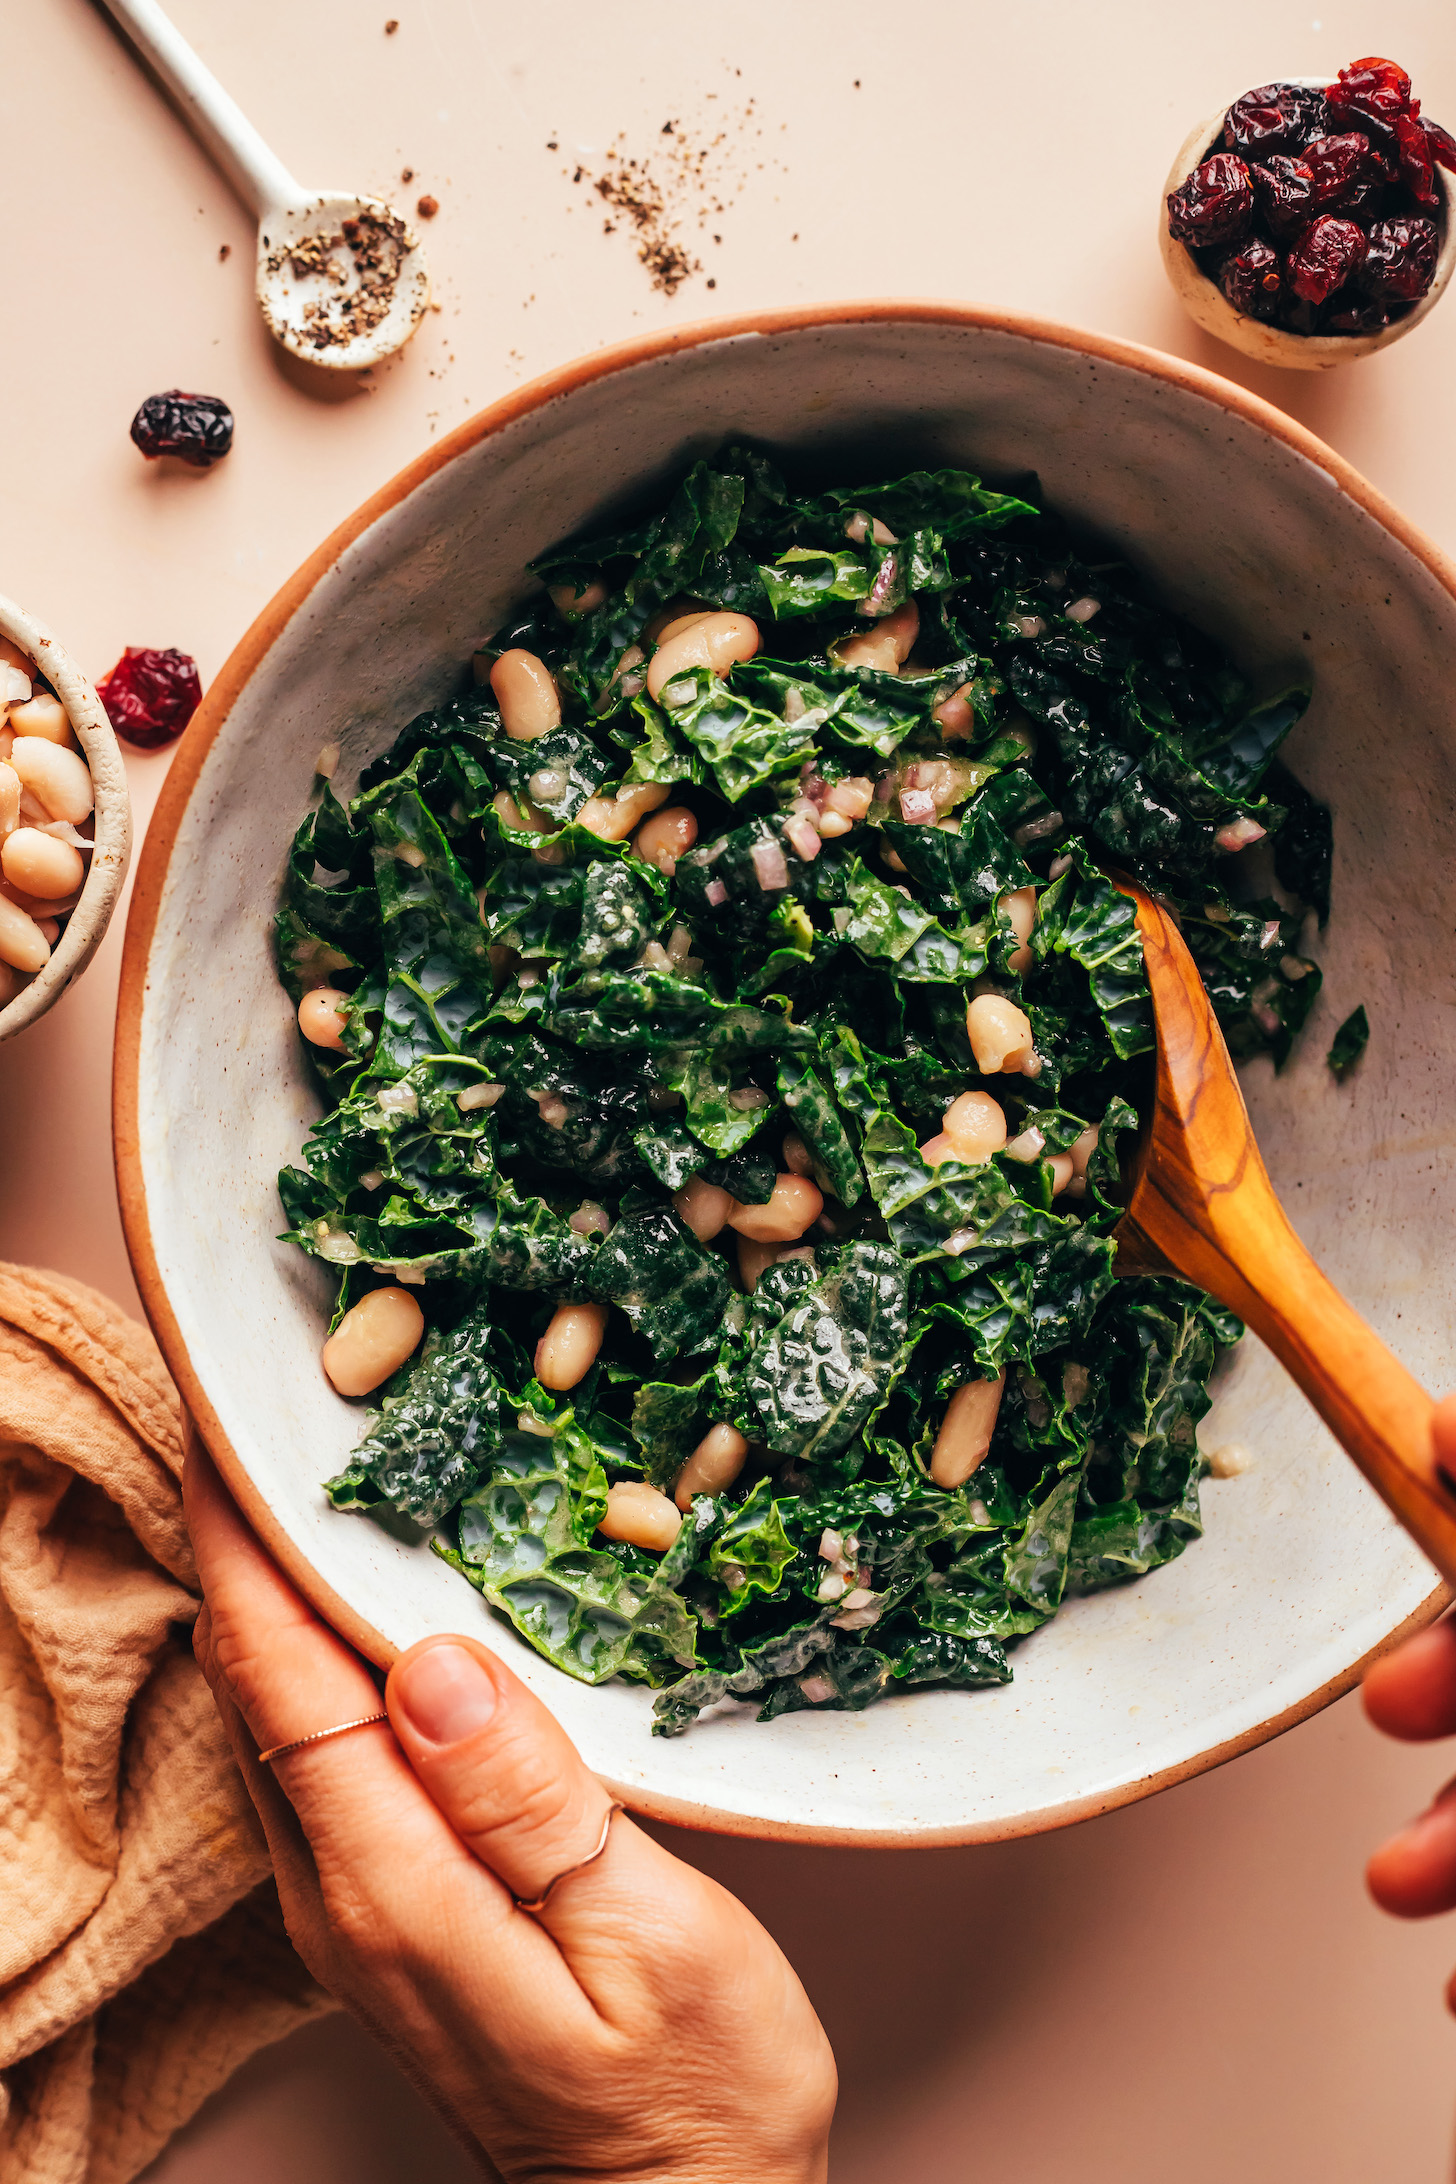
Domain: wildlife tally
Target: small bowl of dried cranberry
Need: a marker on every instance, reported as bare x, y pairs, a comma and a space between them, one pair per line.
1310, 223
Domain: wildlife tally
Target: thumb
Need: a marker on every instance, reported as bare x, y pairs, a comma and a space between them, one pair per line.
500, 1768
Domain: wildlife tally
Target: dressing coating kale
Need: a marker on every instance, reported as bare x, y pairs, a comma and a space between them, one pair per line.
547, 1037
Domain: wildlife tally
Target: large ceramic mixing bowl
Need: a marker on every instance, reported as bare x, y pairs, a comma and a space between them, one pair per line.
1243, 522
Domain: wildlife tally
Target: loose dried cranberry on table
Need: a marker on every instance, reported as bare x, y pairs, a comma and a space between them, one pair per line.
1284, 190
1400, 260
1278, 117
196, 428
1215, 204
1373, 92
1324, 257
150, 695
1253, 279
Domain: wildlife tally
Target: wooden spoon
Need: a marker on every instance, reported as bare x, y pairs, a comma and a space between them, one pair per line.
1202, 1206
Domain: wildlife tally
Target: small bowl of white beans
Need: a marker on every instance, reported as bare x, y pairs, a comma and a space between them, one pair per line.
1235, 519
65, 820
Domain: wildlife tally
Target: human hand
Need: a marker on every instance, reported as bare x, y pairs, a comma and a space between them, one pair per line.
642, 2028
1411, 1694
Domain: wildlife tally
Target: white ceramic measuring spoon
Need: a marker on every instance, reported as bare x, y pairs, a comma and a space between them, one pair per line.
342, 281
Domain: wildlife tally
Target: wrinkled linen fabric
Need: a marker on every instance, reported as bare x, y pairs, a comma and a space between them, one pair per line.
142, 1952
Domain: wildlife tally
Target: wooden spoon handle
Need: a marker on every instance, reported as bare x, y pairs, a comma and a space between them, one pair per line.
1379, 1412
1376, 1409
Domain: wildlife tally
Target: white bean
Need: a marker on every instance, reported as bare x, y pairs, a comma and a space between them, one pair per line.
613, 817
372, 1340
320, 1017
852, 798
975, 1125
526, 692
478, 1095
43, 716
1082, 1148
9, 799
665, 837
56, 778
797, 1157
887, 646
567, 1351
755, 1258
965, 1431
39, 864
673, 615
793, 1205
714, 1464
860, 527
714, 642
1000, 1034
22, 943
569, 601
1061, 1172
1230, 1461
956, 714
1018, 907
640, 1515
703, 1207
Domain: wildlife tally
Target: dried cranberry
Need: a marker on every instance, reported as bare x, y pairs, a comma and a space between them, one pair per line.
1215, 204
150, 696
1356, 318
1278, 117
1400, 260
1371, 94
1413, 159
1252, 279
1285, 191
1338, 165
1442, 145
1297, 317
1324, 257
196, 428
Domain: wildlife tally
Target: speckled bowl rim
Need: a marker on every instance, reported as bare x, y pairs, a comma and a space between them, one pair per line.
1208, 306
109, 859
161, 840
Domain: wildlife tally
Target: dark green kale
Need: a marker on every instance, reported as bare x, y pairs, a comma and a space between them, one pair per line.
1349, 1042
579, 1076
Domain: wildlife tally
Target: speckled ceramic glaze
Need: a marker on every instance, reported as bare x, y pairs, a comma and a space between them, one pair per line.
1245, 523
106, 866
1206, 303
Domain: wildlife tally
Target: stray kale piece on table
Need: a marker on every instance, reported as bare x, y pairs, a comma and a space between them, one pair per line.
763, 867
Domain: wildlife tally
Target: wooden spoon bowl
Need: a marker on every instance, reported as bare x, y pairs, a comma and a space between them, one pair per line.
1202, 1206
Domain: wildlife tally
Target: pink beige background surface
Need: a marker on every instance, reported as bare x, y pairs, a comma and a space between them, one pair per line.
1192, 1988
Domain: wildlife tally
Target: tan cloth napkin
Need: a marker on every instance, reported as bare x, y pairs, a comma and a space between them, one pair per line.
142, 1954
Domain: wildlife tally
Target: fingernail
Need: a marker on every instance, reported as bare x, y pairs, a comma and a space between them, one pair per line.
447, 1693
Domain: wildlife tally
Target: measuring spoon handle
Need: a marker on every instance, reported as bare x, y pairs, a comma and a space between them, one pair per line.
219, 124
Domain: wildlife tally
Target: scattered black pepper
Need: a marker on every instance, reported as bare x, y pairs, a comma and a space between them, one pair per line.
407, 174
679, 185
391, 26
224, 253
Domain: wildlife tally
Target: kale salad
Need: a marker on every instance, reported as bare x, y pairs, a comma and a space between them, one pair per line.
732, 1044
